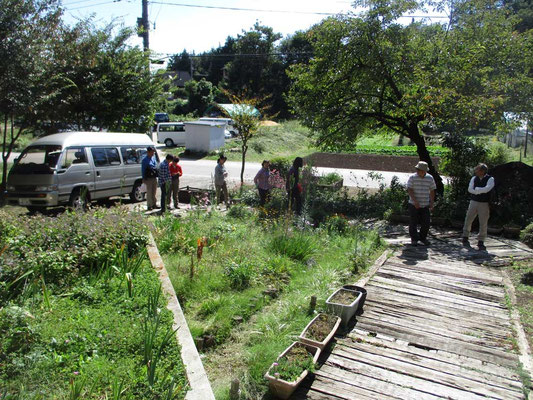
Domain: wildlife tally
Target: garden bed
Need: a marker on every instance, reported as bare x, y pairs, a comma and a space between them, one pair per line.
245, 289
81, 311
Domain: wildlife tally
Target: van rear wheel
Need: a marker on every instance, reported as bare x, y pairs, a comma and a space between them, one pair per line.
79, 199
169, 142
136, 195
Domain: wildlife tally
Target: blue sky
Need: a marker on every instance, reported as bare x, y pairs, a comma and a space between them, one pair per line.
178, 27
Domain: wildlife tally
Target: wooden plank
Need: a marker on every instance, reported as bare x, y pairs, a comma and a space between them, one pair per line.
304, 392
361, 378
426, 359
423, 294
436, 342
449, 269
452, 322
450, 329
342, 361
386, 296
397, 369
345, 391
448, 360
433, 276
449, 287
442, 333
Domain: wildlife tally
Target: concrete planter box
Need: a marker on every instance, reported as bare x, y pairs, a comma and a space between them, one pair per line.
363, 292
283, 389
511, 232
321, 345
344, 311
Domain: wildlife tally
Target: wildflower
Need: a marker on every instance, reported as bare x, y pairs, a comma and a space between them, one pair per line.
276, 374
76, 373
275, 364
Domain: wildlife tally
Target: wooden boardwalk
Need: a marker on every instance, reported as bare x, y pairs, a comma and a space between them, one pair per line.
435, 326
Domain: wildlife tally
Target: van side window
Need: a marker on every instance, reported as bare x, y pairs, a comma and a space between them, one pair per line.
130, 155
74, 155
105, 156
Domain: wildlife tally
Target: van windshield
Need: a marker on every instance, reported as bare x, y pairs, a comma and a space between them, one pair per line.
38, 160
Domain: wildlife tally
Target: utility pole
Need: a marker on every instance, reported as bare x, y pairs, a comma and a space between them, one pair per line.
144, 26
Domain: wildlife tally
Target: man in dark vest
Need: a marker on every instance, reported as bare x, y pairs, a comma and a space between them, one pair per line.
479, 188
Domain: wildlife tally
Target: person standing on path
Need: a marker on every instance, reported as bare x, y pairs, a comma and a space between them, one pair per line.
175, 173
165, 180
149, 177
480, 188
294, 188
421, 188
221, 176
261, 180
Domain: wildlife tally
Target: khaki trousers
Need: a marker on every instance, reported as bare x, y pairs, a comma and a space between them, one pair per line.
151, 187
480, 210
224, 189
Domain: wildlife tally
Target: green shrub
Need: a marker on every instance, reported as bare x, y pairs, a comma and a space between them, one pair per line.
240, 211
497, 154
298, 246
58, 249
526, 235
329, 179
239, 274
281, 164
337, 223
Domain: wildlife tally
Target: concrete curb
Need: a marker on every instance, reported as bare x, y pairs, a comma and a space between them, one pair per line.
200, 387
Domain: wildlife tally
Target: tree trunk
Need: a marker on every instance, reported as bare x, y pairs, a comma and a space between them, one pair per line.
244, 150
423, 154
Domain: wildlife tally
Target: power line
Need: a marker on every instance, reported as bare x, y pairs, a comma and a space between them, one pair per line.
93, 5
243, 9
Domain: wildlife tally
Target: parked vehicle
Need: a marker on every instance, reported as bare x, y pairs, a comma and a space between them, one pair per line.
161, 117
171, 133
228, 122
74, 168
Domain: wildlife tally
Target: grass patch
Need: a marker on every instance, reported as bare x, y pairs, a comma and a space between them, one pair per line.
249, 297
82, 323
288, 139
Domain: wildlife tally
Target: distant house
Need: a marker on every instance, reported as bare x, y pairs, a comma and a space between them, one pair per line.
217, 110
178, 78
517, 137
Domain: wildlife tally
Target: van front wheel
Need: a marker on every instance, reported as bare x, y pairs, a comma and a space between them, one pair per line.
79, 199
136, 195
169, 142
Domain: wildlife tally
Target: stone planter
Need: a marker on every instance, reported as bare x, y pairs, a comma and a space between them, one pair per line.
282, 388
304, 337
363, 295
344, 311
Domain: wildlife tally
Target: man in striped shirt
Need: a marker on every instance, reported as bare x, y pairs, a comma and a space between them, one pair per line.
421, 188
165, 180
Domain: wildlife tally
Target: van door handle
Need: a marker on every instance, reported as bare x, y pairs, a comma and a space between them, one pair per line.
97, 173
88, 173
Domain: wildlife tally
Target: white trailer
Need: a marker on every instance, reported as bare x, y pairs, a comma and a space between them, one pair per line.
204, 136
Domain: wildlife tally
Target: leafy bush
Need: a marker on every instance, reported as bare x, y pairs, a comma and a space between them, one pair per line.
526, 235
337, 223
329, 179
239, 274
281, 164
497, 154
240, 211
58, 249
298, 245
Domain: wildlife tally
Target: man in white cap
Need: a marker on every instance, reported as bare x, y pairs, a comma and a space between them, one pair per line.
421, 188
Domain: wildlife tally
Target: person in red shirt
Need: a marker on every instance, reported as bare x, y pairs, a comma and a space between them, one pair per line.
175, 173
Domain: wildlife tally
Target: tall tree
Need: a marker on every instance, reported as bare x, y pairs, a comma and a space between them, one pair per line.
180, 62
372, 71
26, 28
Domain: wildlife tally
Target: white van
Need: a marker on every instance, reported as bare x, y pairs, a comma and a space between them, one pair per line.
171, 133
228, 124
74, 168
